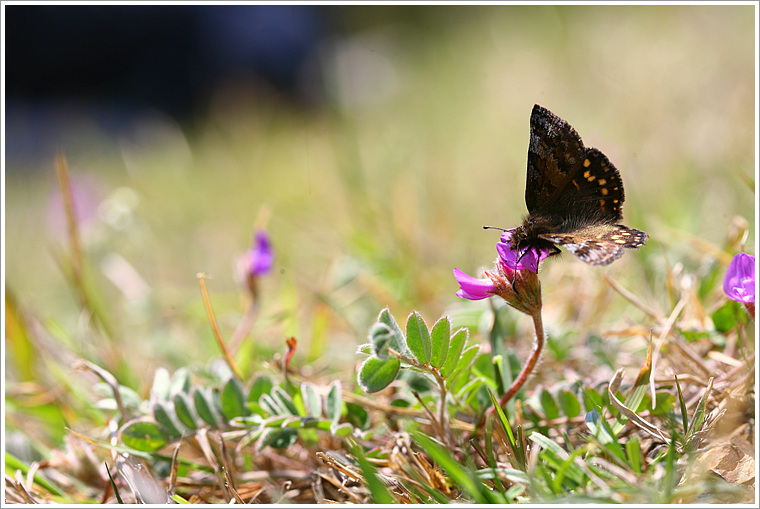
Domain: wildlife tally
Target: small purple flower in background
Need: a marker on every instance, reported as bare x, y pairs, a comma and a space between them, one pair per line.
473, 288
256, 262
739, 283
261, 254
528, 260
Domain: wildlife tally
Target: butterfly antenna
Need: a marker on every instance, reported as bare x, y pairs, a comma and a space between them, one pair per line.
494, 228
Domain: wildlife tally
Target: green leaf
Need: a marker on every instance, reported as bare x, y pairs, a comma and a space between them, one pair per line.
562, 461
569, 403
440, 338
516, 448
671, 475
247, 421
284, 400
115, 488
592, 399
203, 402
455, 352
12, 464
333, 402
497, 361
278, 438
418, 338
161, 412
297, 397
592, 420
262, 385
358, 416
398, 341
161, 384
183, 410
466, 359
232, 400
376, 374
277, 421
341, 430
462, 477
378, 492
483, 367
473, 384
180, 382
311, 399
143, 435
724, 318
304, 423
380, 338
637, 393
699, 415
664, 404
609, 440
269, 405
633, 451
551, 410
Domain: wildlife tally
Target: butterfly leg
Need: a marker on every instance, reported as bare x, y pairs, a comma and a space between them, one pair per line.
553, 250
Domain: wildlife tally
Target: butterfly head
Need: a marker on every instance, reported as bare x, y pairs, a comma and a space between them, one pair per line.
527, 235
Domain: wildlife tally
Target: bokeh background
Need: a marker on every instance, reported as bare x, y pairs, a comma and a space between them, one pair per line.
373, 142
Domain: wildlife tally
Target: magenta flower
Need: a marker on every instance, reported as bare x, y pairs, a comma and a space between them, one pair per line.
473, 288
739, 283
261, 255
528, 260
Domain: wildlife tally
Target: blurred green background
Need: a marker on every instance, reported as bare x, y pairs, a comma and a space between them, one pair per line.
373, 194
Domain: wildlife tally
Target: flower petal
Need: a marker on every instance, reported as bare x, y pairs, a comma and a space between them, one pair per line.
261, 255
473, 288
739, 283
527, 259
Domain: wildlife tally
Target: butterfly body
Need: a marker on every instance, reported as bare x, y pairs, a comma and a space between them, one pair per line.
574, 196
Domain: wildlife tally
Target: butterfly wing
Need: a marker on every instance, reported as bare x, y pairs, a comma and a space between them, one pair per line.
555, 150
599, 244
567, 180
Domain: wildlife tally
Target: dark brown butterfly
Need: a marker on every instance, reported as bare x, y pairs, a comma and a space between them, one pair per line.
574, 196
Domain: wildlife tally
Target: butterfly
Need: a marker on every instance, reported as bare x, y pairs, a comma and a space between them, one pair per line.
574, 196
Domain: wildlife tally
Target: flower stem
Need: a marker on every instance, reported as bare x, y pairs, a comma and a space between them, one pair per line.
538, 346
443, 413
245, 325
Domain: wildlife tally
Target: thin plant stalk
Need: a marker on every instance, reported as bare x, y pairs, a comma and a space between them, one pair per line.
215, 327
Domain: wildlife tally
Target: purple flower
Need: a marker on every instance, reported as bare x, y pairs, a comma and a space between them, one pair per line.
739, 283
261, 254
473, 288
527, 259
